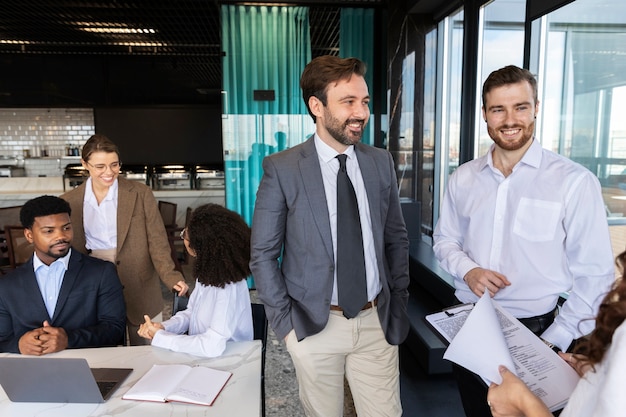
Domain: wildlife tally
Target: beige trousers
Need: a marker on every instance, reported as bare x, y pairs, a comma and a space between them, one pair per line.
356, 349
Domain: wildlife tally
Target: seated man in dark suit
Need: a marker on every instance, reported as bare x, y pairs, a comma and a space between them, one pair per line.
60, 298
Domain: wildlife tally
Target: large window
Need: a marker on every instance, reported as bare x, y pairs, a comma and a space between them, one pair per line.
581, 67
501, 44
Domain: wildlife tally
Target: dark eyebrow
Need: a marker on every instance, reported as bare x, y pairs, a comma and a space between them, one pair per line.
352, 97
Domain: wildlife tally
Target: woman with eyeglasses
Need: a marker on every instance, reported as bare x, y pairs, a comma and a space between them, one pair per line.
118, 220
219, 308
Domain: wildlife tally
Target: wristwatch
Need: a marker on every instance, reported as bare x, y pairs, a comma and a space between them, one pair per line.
551, 345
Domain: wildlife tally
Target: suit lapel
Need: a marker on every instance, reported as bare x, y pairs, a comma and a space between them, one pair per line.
369, 172
314, 187
125, 206
32, 287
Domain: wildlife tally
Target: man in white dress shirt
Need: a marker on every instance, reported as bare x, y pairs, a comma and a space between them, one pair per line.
525, 224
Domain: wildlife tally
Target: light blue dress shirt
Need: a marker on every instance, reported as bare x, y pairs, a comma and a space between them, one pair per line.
50, 279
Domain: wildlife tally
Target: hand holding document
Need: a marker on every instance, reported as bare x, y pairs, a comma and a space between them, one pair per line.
489, 336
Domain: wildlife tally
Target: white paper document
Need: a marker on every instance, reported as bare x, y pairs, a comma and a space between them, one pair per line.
490, 337
183, 383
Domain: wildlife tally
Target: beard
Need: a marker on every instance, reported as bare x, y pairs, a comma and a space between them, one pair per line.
58, 253
340, 131
512, 145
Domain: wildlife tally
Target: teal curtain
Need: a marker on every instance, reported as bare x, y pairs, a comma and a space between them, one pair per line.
356, 39
266, 48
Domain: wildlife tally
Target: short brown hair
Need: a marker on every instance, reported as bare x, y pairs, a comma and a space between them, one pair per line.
509, 75
98, 143
322, 71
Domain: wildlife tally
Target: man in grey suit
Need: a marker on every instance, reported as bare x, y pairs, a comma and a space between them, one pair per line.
294, 251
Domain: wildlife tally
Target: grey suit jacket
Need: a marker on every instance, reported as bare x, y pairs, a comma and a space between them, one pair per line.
291, 220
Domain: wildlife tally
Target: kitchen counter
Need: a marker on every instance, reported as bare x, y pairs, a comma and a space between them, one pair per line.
16, 191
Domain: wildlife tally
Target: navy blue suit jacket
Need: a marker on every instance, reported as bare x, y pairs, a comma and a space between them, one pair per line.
90, 307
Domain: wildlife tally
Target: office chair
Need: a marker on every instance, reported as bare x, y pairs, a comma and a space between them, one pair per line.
179, 302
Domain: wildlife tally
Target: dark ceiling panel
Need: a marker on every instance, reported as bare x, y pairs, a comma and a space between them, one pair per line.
162, 39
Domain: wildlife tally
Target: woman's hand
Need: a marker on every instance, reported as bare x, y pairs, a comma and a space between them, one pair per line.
578, 362
181, 288
149, 329
512, 398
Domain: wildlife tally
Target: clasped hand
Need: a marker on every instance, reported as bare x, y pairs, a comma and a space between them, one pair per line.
149, 328
43, 340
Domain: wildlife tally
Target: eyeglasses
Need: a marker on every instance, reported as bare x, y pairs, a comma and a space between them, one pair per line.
114, 166
183, 235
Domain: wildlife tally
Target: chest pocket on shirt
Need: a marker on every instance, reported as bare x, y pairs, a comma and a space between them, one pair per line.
537, 220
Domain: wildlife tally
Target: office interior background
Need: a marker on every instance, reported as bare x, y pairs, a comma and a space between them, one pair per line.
239, 64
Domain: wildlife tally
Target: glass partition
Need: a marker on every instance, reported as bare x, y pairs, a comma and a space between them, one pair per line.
581, 67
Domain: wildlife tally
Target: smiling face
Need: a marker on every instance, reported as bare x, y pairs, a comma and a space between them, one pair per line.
341, 122
510, 112
51, 236
103, 167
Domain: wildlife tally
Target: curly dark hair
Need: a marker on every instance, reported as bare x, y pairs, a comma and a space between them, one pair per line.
611, 315
221, 240
44, 205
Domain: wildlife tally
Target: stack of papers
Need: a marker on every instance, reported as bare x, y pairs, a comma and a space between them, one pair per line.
484, 336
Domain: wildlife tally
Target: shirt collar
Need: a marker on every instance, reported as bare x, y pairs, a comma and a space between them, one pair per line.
532, 157
37, 263
326, 153
90, 197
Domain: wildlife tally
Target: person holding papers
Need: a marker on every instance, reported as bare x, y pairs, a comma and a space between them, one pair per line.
599, 359
526, 225
60, 299
219, 308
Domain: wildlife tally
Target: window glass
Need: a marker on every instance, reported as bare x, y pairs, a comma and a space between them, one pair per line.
444, 82
453, 67
502, 44
582, 81
427, 159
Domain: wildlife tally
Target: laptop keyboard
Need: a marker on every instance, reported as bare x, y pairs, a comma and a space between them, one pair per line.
105, 387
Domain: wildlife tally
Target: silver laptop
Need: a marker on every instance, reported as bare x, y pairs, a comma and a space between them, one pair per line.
58, 380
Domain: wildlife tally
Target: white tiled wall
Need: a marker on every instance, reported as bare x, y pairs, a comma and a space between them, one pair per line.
39, 130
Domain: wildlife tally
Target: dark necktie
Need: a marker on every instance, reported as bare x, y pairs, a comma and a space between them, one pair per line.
351, 281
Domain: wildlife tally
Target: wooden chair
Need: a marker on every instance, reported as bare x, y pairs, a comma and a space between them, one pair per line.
168, 214
8, 215
19, 249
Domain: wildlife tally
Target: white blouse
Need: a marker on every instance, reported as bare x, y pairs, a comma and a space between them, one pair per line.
601, 393
213, 317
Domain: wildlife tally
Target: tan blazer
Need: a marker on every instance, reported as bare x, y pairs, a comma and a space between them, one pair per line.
143, 251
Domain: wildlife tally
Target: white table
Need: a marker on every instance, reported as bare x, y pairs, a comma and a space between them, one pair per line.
241, 397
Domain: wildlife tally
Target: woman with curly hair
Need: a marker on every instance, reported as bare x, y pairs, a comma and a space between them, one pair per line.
600, 360
219, 307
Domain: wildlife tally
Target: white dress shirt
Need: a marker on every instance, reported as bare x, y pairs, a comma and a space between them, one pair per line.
100, 220
50, 279
329, 165
600, 393
544, 227
213, 317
